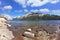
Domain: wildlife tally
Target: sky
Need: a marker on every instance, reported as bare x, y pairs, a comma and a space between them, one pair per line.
19, 7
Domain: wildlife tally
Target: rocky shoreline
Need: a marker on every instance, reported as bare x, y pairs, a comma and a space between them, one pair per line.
36, 32
5, 33
28, 32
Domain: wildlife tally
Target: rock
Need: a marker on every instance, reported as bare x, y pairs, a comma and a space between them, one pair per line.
25, 38
58, 36
8, 25
42, 35
2, 20
29, 34
6, 16
5, 34
51, 28
52, 37
29, 29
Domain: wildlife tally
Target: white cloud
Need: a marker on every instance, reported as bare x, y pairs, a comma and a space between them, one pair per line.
0, 3
9, 7
44, 10
54, 1
56, 11
35, 3
34, 10
47, 11
40, 10
25, 10
23, 2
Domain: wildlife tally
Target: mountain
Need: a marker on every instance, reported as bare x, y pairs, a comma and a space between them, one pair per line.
30, 16
37, 16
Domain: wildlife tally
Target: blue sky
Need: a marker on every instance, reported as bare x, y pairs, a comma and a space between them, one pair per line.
20, 7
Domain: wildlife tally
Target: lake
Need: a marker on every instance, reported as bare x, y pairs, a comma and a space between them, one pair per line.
51, 25
34, 21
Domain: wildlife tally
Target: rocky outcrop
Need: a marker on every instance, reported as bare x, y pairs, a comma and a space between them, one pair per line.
6, 16
5, 33
40, 35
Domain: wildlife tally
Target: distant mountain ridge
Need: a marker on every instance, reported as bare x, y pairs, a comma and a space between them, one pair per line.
37, 16
29, 15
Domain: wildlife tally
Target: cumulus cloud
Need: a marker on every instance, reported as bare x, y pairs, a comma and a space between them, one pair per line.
54, 1
34, 10
35, 3
56, 11
25, 10
40, 10
23, 2
9, 7
45, 10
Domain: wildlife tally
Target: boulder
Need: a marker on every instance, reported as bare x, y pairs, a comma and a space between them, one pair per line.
2, 20
52, 37
6, 16
58, 35
5, 34
25, 38
8, 25
29, 30
51, 28
29, 34
42, 35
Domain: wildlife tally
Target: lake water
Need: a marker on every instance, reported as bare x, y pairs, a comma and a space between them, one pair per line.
49, 25
34, 21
